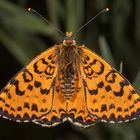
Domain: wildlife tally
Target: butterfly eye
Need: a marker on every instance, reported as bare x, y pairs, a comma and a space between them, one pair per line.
66, 38
72, 38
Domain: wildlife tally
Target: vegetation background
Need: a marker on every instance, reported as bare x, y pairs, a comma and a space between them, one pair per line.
114, 35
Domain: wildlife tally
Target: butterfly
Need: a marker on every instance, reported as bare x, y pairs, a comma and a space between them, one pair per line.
68, 82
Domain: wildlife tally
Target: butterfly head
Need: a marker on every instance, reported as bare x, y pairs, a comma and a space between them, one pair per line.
69, 39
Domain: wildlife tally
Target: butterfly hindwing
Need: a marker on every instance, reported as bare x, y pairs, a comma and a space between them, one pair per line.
109, 95
29, 95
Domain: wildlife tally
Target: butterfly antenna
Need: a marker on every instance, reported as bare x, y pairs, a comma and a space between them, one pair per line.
100, 13
34, 11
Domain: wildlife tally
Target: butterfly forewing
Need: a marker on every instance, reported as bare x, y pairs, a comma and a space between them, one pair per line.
29, 94
109, 95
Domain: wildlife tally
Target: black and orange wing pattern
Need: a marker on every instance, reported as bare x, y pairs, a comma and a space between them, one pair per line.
69, 82
74, 110
109, 96
29, 95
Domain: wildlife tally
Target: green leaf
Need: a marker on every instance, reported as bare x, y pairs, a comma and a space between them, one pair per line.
136, 82
105, 51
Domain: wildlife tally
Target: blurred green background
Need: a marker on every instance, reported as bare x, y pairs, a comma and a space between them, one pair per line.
114, 35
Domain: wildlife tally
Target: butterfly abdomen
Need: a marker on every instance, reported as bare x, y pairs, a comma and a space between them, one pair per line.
67, 88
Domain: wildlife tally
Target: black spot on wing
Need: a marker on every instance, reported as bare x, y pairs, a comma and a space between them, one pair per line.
44, 91
132, 106
26, 105
43, 110
137, 100
126, 110
93, 91
101, 66
87, 57
108, 88
96, 110
26, 116
111, 106
17, 89
36, 70
19, 108
34, 107
110, 77
49, 71
36, 66
112, 117
37, 84
129, 97
103, 108
121, 92
119, 109
89, 72
30, 87
2, 100
7, 105
50, 57
100, 84
44, 61
27, 76
12, 109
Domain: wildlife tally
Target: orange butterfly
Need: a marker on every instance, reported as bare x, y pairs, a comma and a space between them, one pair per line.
69, 82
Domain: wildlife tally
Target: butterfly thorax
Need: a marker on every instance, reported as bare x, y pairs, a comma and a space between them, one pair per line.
68, 71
